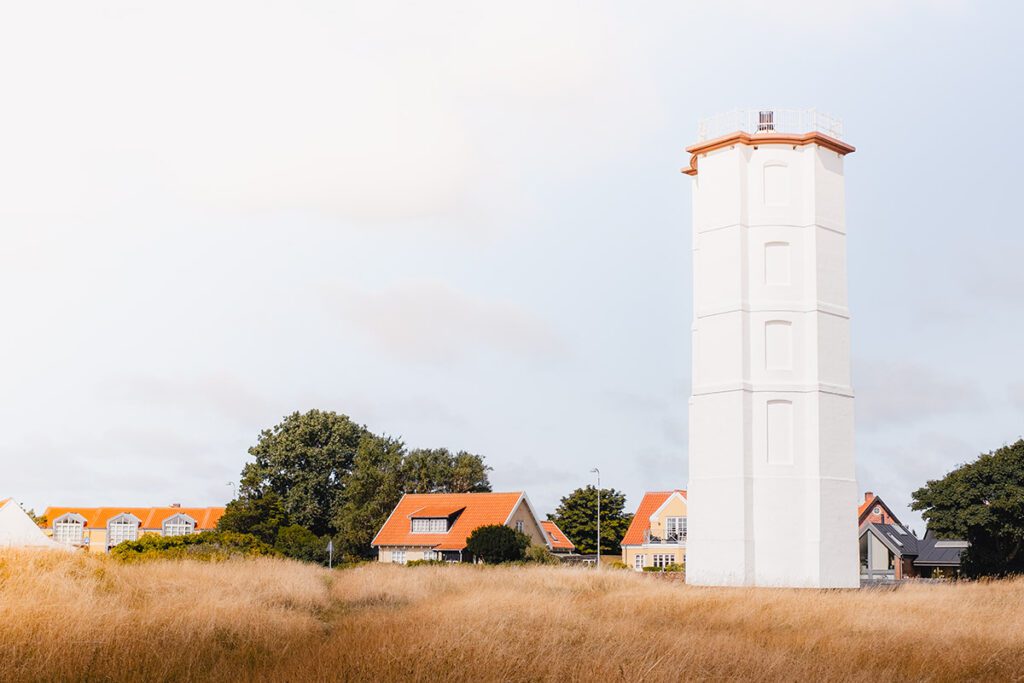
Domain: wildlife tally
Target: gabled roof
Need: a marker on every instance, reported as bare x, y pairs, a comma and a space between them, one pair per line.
896, 538
865, 508
3, 502
642, 519
559, 541
151, 518
470, 511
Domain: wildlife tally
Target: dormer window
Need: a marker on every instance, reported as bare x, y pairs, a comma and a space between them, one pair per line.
179, 525
69, 529
430, 525
123, 527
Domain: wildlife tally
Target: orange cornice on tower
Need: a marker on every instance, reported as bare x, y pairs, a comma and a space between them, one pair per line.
740, 138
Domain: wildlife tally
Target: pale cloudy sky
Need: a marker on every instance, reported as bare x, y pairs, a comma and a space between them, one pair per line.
464, 224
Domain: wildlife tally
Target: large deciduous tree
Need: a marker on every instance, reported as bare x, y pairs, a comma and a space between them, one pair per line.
576, 516
323, 472
438, 470
374, 488
983, 503
305, 460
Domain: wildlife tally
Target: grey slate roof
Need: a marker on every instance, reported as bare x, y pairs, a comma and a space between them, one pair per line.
927, 552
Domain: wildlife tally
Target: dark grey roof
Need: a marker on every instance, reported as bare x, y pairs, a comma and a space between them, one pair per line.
927, 552
938, 552
895, 537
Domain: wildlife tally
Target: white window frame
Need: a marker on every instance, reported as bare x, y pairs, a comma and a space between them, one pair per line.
662, 560
178, 525
429, 525
520, 526
398, 557
675, 527
69, 529
121, 528
638, 563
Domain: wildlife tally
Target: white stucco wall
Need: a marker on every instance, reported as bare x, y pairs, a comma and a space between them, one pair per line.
772, 492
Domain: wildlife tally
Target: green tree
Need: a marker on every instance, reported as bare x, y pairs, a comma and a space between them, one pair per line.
576, 516
262, 517
437, 470
306, 460
374, 488
322, 471
497, 543
981, 502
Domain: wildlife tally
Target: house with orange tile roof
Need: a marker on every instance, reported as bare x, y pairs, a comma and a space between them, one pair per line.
560, 543
657, 535
436, 526
98, 529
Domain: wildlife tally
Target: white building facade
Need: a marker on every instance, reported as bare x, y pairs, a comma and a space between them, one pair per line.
772, 489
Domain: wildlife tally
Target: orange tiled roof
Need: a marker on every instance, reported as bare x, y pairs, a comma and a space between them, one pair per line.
642, 519
559, 541
478, 509
152, 518
4, 502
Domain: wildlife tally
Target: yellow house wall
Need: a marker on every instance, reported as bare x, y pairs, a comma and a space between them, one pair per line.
411, 553
629, 553
530, 526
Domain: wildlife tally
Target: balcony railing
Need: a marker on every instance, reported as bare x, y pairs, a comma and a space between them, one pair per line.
769, 120
669, 539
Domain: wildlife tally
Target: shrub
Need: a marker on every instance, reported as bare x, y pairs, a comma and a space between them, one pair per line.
426, 563
619, 565
207, 546
538, 554
497, 543
670, 568
299, 543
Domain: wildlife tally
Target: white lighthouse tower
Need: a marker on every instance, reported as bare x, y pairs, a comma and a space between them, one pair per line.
772, 492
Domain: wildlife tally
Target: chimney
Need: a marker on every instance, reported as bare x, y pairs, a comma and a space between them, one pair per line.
868, 496
175, 505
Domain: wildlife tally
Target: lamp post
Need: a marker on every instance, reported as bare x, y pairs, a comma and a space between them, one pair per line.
598, 472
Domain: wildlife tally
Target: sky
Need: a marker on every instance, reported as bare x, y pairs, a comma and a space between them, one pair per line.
463, 224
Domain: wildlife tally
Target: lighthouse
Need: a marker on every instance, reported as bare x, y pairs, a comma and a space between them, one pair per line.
772, 494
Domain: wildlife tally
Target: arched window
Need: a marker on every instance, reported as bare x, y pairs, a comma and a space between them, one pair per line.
179, 525
69, 529
123, 527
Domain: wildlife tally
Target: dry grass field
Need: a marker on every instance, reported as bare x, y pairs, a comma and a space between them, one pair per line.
78, 618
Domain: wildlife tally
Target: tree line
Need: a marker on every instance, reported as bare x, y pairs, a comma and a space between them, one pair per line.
319, 476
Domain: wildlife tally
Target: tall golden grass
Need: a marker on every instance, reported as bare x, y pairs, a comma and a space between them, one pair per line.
70, 618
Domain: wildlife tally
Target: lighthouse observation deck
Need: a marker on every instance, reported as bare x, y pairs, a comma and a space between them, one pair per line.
769, 120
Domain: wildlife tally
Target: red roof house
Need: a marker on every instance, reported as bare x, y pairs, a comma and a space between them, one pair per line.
560, 543
435, 526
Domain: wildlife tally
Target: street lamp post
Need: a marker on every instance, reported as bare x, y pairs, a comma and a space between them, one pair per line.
598, 472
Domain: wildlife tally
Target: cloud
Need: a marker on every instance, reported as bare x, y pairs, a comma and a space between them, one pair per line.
891, 392
222, 394
433, 323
